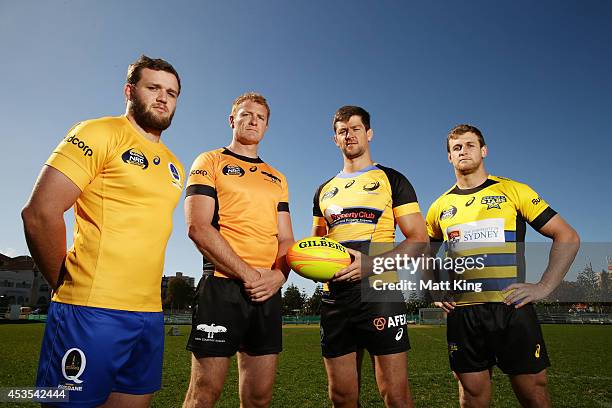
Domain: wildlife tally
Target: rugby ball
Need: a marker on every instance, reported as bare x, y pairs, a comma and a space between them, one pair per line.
318, 258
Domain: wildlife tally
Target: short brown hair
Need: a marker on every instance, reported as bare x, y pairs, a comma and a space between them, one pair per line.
156, 64
462, 129
344, 114
253, 97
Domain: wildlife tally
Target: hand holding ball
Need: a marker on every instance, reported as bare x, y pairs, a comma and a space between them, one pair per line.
318, 258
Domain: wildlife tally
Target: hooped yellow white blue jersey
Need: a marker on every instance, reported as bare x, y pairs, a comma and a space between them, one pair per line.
486, 223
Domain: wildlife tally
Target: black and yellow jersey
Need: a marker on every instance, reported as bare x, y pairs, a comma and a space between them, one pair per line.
248, 195
487, 222
361, 208
129, 189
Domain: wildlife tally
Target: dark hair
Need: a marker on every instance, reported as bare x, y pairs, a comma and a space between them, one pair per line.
344, 114
253, 97
462, 129
156, 64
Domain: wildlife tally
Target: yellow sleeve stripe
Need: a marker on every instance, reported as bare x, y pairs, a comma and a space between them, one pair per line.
319, 222
406, 209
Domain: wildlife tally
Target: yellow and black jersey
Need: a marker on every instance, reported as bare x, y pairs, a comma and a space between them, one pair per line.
487, 222
360, 208
130, 187
248, 196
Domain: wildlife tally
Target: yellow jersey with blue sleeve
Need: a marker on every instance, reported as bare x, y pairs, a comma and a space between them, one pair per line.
129, 189
487, 223
359, 209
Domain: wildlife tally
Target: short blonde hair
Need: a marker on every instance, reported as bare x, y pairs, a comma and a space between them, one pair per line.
250, 96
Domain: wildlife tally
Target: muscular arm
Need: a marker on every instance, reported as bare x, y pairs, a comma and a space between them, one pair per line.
566, 243
272, 279
43, 221
199, 211
318, 231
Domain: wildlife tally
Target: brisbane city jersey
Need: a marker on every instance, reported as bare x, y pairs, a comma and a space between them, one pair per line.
360, 208
130, 187
248, 195
487, 222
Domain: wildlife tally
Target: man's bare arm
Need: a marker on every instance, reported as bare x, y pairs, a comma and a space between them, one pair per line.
43, 221
199, 212
566, 243
272, 280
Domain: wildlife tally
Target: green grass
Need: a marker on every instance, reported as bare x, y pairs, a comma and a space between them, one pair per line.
580, 375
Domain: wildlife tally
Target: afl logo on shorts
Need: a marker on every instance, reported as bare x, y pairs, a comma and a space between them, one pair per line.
233, 170
135, 157
380, 323
176, 176
73, 365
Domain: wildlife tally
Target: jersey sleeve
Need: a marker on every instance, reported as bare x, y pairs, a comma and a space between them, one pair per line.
531, 206
432, 222
283, 204
318, 220
201, 179
83, 152
402, 194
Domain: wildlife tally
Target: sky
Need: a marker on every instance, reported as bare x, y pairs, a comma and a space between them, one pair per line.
533, 76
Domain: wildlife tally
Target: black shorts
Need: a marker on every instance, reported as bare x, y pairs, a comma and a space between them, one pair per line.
481, 336
226, 321
349, 324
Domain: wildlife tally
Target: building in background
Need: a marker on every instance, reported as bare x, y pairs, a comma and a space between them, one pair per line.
21, 283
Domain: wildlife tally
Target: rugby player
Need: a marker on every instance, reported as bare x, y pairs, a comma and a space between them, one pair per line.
103, 339
484, 215
237, 214
360, 207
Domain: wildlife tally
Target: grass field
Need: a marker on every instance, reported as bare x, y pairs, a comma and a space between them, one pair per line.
580, 376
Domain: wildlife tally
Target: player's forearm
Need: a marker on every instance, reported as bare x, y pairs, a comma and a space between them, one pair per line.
281, 258
217, 250
46, 238
562, 254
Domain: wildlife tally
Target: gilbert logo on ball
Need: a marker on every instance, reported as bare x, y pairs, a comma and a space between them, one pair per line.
318, 258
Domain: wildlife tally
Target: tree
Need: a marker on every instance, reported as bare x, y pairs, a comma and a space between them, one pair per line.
179, 294
313, 304
292, 300
588, 282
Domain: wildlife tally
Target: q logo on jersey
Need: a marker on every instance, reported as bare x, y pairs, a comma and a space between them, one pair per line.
493, 201
176, 176
371, 186
233, 170
135, 157
73, 365
350, 183
330, 193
